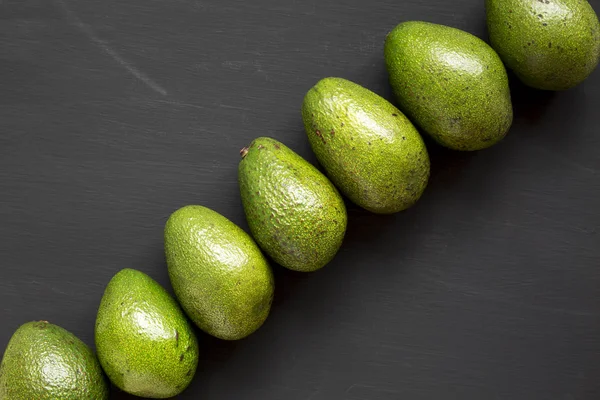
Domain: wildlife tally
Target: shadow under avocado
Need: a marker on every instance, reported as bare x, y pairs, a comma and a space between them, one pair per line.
529, 105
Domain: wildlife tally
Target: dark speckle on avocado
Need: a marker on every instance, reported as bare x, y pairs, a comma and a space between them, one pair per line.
41, 324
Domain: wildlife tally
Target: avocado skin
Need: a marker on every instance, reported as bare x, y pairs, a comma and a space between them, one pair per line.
450, 83
549, 44
143, 340
369, 149
220, 277
45, 362
294, 212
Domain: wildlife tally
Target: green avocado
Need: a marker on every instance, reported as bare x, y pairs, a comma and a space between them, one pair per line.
144, 342
294, 212
450, 83
369, 149
549, 44
46, 362
220, 277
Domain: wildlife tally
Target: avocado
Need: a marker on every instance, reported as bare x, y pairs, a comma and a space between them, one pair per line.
368, 148
45, 362
294, 212
450, 83
220, 277
549, 44
143, 340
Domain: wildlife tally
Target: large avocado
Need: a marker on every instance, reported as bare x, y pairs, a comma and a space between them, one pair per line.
450, 83
549, 44
369, 149
46, 362
294, 212
220, 277
144, 342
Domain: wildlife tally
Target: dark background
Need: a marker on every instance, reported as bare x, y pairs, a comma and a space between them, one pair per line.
115, 113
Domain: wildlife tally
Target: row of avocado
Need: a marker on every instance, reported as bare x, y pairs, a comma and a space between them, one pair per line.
451, 84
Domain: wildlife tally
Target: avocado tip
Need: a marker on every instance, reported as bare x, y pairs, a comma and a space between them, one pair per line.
243, 152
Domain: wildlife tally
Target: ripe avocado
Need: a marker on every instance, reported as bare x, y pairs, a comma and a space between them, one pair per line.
549, 44
294, 212
45, 362
144, 342
450, 83
369, 149
220, 277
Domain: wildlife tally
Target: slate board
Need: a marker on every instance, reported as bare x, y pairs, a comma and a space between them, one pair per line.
115, 113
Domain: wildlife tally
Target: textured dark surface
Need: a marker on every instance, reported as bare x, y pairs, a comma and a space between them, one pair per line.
114, 114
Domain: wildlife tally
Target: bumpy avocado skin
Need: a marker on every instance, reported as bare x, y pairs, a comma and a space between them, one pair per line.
549, 44
46, 362
369, 149
144, 342
294, 212
220, 277
450, 83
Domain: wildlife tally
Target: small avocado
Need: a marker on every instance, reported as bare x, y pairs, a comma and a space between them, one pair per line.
46, 362
144, 342
220, 277
294, 212
369, 149
450, 83
549, 44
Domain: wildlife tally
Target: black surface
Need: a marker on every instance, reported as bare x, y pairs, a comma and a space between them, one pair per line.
115, 113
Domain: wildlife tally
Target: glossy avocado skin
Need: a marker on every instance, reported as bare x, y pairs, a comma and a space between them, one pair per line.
450, 83
220, 277
369, 149
294, 212
144, 342
45, 362
549, 44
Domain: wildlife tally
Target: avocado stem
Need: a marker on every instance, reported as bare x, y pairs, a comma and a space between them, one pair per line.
243, 152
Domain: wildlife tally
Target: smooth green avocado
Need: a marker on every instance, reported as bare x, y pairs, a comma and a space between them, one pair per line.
295, 213
369, 149
46, 362
144, 342
220, 277
450, 83
549, 44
